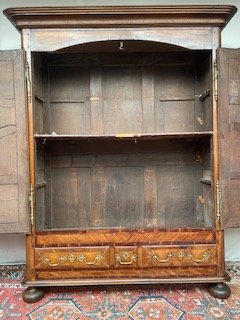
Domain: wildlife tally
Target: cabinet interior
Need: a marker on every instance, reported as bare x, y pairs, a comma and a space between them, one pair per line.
123, 137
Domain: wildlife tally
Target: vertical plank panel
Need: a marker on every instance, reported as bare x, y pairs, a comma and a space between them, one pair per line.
71, 197
200, 199
122, 96
96, 100
124, 197
64, 198
148, 107
97, 196
48, 215
150, 196
83, 197
176, 196
174, 98
69, 100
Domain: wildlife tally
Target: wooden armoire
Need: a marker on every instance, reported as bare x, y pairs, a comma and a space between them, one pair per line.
119, 138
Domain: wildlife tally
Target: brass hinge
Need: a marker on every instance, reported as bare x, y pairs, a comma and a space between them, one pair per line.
31, 203
218, 201
28, 83
215, 81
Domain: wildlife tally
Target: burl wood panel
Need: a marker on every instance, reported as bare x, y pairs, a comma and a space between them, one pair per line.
122, 257
153, 256
13, 144
115, 276
73, 258
122, 237
229, 125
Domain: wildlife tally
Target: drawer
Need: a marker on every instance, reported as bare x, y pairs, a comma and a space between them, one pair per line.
197, 255
126, 256
80, 257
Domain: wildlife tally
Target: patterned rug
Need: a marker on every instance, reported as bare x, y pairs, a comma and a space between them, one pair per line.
170, 302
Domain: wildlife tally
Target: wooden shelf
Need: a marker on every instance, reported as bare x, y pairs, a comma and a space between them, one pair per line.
145, 136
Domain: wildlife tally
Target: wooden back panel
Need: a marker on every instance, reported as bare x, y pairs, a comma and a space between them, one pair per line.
125, 93
119, 183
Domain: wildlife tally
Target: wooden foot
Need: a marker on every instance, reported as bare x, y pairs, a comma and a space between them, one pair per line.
33, 294
220, 290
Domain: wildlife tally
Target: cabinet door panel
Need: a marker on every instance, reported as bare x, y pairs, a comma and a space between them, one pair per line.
13, 144
229, 135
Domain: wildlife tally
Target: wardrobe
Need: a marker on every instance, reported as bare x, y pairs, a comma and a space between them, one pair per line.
119, 138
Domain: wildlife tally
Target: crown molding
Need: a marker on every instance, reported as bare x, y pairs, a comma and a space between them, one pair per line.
120, 16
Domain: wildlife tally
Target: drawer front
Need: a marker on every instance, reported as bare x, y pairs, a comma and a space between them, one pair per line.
153, 256
81, 257
126, 256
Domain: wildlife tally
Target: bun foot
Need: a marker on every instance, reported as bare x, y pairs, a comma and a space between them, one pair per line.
33, 294
220, 290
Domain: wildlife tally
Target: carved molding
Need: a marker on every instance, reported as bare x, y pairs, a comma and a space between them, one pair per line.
121, 16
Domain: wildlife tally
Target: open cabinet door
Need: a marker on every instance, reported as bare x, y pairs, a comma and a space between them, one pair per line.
13, 144
229, 135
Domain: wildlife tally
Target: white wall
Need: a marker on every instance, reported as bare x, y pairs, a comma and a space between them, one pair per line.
12, 248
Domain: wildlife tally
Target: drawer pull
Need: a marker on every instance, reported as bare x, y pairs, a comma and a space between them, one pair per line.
126, 258
155, 257
205, 257
61, 260
180, 255
97, 259
72, 257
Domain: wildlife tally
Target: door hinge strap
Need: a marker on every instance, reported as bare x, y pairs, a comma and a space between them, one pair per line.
218, 200
31, 203
28, 83
215, 81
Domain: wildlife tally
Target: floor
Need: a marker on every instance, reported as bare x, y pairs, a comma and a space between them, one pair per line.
171, 302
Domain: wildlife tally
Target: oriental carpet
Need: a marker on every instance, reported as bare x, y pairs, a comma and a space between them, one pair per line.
170, 302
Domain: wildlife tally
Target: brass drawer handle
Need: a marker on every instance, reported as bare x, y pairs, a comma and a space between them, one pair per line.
97, 259
126, 258
155, 257
180, 255
205, 257
72, 257
61, 260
